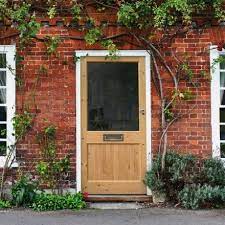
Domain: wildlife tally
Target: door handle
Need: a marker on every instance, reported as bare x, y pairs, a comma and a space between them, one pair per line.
142, 111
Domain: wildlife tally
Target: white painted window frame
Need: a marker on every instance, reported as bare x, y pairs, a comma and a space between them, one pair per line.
103, 53
10, 51
215, 100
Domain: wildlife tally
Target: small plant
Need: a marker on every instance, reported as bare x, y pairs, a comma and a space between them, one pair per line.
21, 123
153, 178
4, 204
24, 191
52, 171
47, 202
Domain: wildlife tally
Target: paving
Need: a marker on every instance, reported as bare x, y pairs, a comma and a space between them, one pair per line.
149, 216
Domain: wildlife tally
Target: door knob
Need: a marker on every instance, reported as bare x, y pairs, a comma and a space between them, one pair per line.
142, 111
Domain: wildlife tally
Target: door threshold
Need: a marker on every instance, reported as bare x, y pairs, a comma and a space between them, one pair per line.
119, 198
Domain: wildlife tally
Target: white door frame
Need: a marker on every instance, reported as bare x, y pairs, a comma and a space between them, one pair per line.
122, 53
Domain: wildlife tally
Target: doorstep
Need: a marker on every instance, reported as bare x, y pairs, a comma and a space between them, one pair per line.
118, 198
115, 205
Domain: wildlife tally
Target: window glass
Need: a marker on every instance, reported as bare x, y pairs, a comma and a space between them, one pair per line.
222, 150
2, 78
3, 116
2, 60
2, 96
3, 131
3, 147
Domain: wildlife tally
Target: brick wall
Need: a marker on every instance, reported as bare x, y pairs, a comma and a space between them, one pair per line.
55, 93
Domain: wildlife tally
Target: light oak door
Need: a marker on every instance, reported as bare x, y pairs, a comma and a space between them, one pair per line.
113, 125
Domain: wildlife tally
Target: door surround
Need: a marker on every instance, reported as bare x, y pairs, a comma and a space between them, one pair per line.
121, 53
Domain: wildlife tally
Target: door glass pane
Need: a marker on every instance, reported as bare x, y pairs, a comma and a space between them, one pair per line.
2, 78
113, 96
2, 60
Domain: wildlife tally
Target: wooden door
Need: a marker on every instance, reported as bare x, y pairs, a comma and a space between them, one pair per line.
113, 125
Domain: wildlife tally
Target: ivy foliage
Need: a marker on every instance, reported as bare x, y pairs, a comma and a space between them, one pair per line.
139, 14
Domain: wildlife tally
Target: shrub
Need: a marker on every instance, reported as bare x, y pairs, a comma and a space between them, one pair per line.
196, 196
48, 202
213, 172
189, 182
4, 204
24, 191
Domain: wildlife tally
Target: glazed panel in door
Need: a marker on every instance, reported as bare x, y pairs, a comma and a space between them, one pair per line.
113, 125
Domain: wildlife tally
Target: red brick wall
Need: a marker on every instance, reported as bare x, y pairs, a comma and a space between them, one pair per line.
55, 94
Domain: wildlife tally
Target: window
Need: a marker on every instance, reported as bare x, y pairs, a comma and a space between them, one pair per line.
7, 99
218, 102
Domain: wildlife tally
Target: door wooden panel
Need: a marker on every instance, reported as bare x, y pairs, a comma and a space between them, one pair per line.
116, 166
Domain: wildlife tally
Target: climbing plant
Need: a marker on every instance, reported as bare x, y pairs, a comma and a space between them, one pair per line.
145, 24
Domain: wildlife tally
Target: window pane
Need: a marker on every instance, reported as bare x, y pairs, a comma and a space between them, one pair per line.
222, 97
113, 96
2, 96
3, 131
2, 60
3, 113
222, 115
222, 150
3, 147
2, 78
222, 132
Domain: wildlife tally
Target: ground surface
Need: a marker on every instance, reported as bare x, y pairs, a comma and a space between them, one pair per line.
151, 216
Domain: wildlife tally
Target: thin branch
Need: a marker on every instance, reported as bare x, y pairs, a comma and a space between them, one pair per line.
171, 123
163, 61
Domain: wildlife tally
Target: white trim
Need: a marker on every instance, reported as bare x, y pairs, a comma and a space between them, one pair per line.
126, 53
215, 101
10, 51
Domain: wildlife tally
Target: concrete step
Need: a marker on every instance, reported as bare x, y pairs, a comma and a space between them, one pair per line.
114, 205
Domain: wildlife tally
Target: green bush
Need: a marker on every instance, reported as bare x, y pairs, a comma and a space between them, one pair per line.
213, 172
24, 191
196, 196
49, 202
4, 204
186, 180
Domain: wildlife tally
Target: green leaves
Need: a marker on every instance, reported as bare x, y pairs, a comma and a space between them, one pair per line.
112, 48
24, 191
52, 43
21, 123
47, 202
4, 204
76, 11
93, 35
25, 22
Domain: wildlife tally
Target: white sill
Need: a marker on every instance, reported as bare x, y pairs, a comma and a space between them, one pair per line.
15, 164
